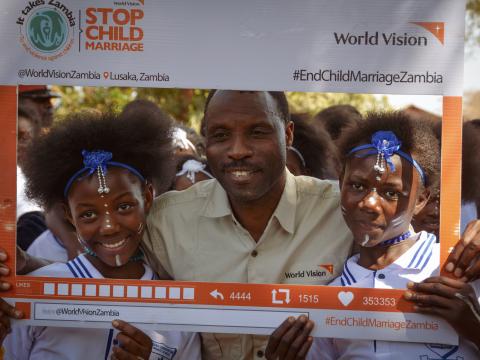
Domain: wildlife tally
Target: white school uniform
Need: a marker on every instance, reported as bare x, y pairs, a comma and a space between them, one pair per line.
44, 343
418, 263
48, 246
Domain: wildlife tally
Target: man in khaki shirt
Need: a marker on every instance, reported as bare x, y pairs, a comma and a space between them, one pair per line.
256, 223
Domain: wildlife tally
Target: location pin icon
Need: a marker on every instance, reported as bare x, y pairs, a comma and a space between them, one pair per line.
105, 75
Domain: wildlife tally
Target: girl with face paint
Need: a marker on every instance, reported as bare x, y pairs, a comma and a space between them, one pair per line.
390, 166
102, 169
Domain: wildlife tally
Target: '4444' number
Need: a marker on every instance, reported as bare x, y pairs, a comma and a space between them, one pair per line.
240, 296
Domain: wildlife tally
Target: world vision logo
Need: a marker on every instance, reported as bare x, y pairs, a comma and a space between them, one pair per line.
117, 28
328, 267
376, 38
436, 28
46, 29
325, 271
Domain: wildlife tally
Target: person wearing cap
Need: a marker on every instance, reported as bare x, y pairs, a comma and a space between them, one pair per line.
39, 96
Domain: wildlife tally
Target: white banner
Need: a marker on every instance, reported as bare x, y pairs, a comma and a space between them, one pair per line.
366, 46
345, 324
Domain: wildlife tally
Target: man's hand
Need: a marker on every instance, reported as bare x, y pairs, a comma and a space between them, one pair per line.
291, 340
452, 300
461, 262
130, 343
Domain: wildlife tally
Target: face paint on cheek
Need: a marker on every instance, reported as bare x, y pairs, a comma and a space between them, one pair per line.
118, 261
397, 221
366, 240
344, 211
140, 228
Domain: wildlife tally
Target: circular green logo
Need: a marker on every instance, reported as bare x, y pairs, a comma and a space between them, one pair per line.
47, 30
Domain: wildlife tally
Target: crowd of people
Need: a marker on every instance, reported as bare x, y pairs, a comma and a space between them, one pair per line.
259, 194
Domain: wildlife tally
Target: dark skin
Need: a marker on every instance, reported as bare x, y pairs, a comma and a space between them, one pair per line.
45, 108
376, 208
246, 149
109, 225
26, 133
183, 182
429, 218
462, 260
437, 296
380, 208
291, 340
131, 343
63, 230
295, 165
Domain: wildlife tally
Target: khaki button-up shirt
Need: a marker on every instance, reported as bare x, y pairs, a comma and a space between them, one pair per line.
193, 236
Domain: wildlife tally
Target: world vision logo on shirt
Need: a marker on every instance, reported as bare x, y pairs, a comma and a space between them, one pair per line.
323, 271
410, 39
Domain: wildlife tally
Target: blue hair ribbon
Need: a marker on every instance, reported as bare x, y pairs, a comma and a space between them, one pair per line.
98, 160
385, 144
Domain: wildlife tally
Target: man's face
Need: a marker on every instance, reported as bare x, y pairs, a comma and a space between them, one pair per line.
246, 144
44, 107
26, 133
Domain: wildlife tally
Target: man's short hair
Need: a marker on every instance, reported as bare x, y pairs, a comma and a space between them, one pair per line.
278, 96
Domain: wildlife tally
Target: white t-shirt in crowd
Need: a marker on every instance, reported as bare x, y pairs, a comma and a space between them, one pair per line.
24, 204
418, 263
48, 246
41, 343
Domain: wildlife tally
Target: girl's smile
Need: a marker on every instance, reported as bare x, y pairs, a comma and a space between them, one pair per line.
110, 225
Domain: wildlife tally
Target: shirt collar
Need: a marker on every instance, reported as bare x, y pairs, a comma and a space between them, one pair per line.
285, 211
218, 205
415, 258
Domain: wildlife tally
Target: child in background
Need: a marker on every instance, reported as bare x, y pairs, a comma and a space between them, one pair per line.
101, 169
190, 170
390, 166
313, 152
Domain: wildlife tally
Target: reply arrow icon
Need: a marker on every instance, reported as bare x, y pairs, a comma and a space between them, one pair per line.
217, 295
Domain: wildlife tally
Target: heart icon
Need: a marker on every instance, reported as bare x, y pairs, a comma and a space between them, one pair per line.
105, 75
345, 297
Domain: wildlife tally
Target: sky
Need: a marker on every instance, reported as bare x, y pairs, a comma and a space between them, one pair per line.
433, 104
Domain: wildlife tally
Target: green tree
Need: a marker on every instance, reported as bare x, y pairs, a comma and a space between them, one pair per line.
473, 22
312, 103
187, 105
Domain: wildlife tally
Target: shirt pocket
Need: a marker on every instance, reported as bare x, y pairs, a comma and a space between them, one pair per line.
222, 346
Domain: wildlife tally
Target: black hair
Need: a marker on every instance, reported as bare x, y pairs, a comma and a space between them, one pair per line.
316, 147
142, 105
337, 118
141, 139
417, 137
278, 96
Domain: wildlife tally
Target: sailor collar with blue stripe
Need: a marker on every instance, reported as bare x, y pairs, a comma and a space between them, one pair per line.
80, 267
414, 259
